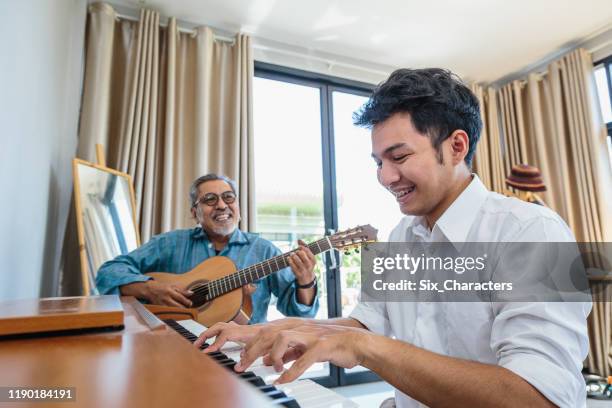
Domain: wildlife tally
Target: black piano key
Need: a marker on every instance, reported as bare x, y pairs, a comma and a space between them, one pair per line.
246, 375
221, 360
229, 365
266, 388
256, 381
277, 396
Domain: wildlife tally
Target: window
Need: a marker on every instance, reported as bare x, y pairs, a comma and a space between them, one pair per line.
288, 172
603, 79
314, 175
360, 198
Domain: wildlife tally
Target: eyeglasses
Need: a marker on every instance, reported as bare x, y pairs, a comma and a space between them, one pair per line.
211, 199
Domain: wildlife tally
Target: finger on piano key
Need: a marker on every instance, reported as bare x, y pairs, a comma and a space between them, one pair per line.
277, 397
299, 366
197, 329
303, 393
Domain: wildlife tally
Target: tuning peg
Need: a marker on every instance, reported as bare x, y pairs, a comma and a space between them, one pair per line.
347, 252
356, 250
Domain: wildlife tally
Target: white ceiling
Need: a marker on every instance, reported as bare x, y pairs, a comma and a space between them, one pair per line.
482, 40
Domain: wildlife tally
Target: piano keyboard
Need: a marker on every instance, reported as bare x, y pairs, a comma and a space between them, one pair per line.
300, 393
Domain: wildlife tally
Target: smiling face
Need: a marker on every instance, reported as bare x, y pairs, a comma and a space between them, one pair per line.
410, 168
221, 219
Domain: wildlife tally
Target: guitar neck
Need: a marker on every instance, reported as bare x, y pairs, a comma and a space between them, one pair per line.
259, 270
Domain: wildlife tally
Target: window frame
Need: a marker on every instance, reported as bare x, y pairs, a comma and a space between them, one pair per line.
326, 85
607, 64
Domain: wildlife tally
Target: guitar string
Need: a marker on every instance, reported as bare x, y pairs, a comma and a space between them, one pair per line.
230, 280
224, 285
221, 285
261, 265
269, 263
216, 287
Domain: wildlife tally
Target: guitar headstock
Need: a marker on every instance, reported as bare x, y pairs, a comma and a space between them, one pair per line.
354, 237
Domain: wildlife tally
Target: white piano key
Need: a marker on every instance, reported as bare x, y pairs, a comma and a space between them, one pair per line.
307, 393
197, 329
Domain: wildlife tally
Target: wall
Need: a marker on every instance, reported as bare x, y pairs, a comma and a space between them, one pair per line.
41, 60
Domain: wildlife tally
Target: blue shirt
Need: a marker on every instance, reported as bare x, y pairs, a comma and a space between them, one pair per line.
181, 250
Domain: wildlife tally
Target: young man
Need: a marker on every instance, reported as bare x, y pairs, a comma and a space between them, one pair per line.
425, 125
214, 204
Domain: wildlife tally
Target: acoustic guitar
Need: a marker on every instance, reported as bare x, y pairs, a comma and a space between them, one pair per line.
217, 285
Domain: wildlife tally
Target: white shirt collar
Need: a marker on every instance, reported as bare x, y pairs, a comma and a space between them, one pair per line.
456, 221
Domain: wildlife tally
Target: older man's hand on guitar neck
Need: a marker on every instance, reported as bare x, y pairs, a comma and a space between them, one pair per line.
302, 263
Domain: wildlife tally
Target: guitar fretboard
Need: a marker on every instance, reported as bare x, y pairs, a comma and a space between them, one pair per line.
221, 286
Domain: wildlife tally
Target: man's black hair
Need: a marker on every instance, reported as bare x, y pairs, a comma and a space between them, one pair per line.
436, 99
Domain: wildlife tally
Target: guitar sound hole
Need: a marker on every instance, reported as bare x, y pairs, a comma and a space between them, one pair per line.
200, 294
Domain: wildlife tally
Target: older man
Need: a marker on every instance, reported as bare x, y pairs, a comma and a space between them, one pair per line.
214, 204
425, 125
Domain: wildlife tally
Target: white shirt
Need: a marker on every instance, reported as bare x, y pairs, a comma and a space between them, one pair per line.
545, 343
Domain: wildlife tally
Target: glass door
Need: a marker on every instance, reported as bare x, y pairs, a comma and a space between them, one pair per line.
289, 176
314, 175
360, 200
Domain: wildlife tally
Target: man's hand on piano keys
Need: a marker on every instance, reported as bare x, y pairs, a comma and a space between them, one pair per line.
231, 331
225, 332
306, 344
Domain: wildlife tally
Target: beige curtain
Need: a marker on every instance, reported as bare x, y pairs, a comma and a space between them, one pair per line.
488, 163
168, 107
553, 122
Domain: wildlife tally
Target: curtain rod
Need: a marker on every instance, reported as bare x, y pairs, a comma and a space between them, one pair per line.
543, 74
263, 47
191, 31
